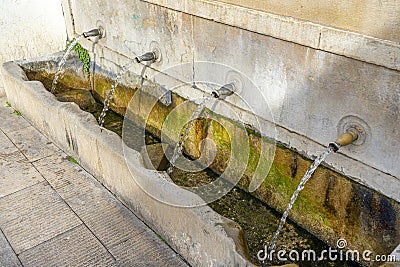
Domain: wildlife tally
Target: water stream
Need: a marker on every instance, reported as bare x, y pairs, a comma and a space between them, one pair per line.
63, 61
300, 187
110, 93
185, 135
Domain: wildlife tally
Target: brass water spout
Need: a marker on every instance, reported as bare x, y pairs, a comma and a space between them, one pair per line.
224, 91
345, 139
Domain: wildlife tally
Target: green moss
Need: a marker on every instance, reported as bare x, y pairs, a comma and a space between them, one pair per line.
71, 159
69, 80
17, 112
83, 56
163, 240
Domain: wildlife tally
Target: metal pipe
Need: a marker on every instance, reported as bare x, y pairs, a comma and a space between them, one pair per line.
345, 139
93, 33
149, 56
224, 91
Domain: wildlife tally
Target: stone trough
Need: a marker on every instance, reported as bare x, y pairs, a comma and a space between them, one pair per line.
199, 234
332, 206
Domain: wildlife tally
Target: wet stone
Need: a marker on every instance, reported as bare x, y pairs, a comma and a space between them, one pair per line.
82, 97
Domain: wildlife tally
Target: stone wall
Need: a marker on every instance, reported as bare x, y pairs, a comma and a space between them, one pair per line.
311, 87
30, 29
380, 19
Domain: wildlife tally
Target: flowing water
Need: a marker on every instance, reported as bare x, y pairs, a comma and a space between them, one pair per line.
185, 135
110, 93
63, 60
300, 187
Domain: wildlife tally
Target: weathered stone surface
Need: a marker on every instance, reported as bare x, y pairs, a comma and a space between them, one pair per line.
308, 90
77, 247
335, 213
82, 97
359, 46
7, 256
2, 91
154, 157
350, 15
16, 172
97, 208
17, 19
9, 120
29, 147
34, 215
146, 250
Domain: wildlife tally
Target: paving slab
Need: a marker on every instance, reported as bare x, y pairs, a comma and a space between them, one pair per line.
34, 215
65, 176
16, 172
9, 120
147, 250
6, 145
77, 247
7, 255
109, 220
32, 143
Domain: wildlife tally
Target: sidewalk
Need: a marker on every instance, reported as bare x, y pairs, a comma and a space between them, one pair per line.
53, 213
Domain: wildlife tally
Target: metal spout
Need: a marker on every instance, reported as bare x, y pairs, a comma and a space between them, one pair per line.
93, 33
345, 139
224, 91
149, 56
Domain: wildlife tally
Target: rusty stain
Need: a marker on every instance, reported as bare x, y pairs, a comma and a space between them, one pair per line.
212, 48
149, 23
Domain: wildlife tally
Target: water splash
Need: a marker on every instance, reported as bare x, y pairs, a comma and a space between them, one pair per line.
185, 135
300, 187
63, 61
110, 93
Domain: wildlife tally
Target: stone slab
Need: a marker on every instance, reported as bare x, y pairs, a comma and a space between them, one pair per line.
34, 215
6, 145
16, 172
107, 218
146, 250
77, 247
7, 256
32, 143
306, 33
64, 175
9, 121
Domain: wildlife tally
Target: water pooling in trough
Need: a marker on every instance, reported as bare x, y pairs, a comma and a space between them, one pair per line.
257, 220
